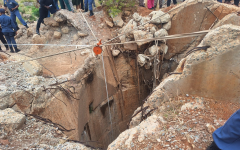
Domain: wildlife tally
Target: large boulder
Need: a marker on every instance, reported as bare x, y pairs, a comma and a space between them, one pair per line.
199, 19
11, 119
37, 39
159, 17
51, 22
233, 19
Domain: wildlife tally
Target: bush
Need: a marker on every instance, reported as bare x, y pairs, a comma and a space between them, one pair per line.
114, 7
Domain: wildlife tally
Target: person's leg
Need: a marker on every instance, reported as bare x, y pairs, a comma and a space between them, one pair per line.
174, 2
94, 5
71, 5
6, 34
236, 2
161, 2
43, 14
82, 5
141, 3
11, 36
3, 40
68, 5
13, 17
20, 18
168, 3
48, 14
55, 2
86, 5
90, 2
62, 4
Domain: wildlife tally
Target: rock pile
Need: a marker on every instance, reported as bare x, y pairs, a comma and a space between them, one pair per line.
160, 22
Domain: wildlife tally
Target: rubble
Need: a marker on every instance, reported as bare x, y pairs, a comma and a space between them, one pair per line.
117, 20
11, 119
57, 35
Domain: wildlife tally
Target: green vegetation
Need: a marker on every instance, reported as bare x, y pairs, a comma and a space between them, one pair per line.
33, 11
114, 7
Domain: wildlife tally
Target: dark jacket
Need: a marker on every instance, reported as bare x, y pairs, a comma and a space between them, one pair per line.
7, 24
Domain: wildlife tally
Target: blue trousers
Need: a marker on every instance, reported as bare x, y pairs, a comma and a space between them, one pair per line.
10, 38
88, 4
15, 14
55, 2
219, 1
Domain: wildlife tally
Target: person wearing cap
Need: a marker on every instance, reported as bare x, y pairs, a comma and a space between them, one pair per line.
9, 29
227, 137
12, 5
45, 5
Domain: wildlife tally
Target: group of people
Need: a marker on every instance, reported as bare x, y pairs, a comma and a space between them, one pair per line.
51, 6
9, 26
152, 4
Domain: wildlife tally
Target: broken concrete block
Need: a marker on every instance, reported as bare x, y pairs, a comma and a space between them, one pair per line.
137, 17
167, 26
29, 32
161, 33
115, 52
153, 50
11, 119
159, 17
117, 20
140, 35
109, 23
142, 59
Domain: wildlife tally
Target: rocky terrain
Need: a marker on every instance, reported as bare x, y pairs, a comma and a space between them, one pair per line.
162, 94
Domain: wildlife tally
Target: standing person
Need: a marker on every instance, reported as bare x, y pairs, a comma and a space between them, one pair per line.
88, 5
82, 5
141, 3
45, 5
169, 2
8, 25
12, 5
160, 3
227, 137
150, 4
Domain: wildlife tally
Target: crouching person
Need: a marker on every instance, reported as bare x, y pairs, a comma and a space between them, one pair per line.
8, 25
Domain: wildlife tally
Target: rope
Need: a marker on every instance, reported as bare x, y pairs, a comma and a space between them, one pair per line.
43, 57
175, 36
46, 45
109, 110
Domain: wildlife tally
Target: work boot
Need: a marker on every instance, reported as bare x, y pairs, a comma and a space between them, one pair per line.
17, 50
12, 51
86, 10
37, 31
91, 13
26, 26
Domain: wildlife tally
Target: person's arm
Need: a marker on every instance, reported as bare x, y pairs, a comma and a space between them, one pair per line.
16, 5
42, 3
